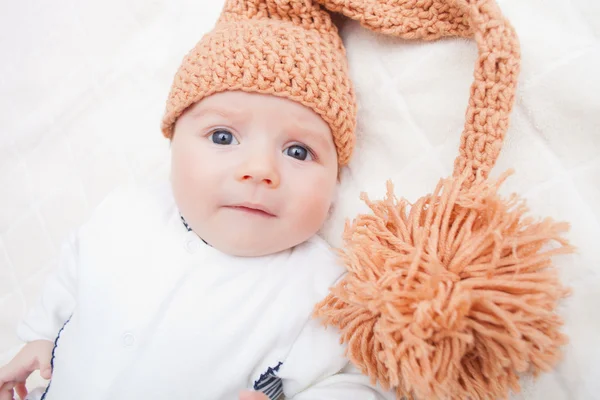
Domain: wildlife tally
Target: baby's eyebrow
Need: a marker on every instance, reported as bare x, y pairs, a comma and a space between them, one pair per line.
224, 113
299, 129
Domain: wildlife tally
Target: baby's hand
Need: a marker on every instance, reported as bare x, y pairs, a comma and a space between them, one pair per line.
247, 395
34, 355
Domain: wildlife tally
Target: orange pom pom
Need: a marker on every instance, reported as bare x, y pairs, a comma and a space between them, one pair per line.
452, 297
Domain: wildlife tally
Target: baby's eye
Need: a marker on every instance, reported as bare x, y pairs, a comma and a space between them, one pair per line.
298, 152
223, 137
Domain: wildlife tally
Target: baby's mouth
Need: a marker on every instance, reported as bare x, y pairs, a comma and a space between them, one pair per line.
254, 209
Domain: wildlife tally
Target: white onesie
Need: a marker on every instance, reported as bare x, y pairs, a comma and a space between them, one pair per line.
147, 310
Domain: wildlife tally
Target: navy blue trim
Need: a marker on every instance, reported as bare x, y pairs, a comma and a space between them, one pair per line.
270, 384
185, 223
188, 227
53, 355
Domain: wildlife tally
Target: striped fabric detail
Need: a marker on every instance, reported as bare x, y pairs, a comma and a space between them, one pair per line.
270, 384
188, 227
185, 223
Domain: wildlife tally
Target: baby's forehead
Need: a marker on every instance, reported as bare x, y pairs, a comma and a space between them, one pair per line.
242, 100
244, 106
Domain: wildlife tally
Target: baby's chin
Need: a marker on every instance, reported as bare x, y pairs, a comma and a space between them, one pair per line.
256, 244
241, 251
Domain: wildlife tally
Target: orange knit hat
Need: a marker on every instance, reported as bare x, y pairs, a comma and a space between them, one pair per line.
284, 48
454, 296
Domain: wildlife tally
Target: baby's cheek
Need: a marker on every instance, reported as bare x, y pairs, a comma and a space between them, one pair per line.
190, 176
315, 205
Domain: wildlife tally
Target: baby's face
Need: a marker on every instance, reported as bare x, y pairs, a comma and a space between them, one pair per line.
253, 174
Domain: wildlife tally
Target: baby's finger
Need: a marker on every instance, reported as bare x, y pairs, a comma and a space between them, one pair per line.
46, 371
6, 391
250, 395
21, 390
45, 362
5, 376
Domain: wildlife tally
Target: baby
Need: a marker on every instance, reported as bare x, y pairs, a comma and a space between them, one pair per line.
204, 287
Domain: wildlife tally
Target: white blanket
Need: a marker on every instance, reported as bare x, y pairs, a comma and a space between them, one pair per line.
82, 90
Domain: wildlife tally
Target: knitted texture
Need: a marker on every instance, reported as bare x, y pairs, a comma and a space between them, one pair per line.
289, 49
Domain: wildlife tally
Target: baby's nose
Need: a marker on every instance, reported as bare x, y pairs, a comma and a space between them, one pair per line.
260, 169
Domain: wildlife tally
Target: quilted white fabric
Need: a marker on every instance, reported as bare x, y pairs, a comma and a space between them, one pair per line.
82, 90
